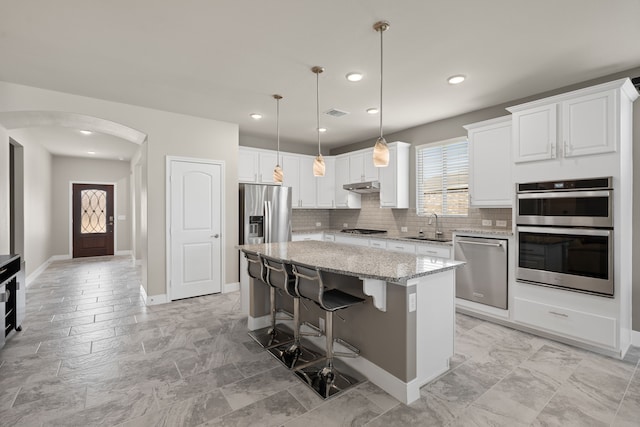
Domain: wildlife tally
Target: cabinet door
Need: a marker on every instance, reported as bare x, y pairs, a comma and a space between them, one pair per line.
267, 162
394, 179
589, 124
356, 170
247, 165
490, 166
291, 171
325, 185
369, 171
344, 198
534, 134
308, 189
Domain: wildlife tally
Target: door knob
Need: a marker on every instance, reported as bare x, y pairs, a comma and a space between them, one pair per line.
215, 236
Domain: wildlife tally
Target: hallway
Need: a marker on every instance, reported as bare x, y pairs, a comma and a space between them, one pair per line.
91, 353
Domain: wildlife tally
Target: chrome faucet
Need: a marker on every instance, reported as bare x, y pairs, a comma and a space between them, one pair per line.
437, 234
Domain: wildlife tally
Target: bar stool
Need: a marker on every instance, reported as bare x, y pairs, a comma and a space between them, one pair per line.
293, 355
324, 378
270, 336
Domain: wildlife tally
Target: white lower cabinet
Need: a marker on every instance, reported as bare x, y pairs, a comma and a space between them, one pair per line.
378, 243
348, 240
593, 328
299, 237
329, 237
433, 250
396, 246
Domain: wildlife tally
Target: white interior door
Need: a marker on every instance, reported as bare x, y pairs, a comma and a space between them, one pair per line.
196, 229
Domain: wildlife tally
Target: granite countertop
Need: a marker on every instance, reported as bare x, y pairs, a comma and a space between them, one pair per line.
390, 235
356, 261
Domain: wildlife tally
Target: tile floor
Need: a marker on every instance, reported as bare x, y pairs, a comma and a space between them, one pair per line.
91, 353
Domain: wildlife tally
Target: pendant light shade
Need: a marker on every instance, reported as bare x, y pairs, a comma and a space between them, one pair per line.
278, 174
381, 150
318, 162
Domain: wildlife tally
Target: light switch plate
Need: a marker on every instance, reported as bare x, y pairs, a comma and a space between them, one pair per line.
345, 225
486, 223
404, 229
501, 223
318, 224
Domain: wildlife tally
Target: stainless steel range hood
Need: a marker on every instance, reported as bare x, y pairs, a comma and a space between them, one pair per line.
363, 187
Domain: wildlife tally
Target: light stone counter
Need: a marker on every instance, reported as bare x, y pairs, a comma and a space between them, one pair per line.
490, 231
350, 260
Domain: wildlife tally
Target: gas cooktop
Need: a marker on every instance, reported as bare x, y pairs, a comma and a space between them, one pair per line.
362, 231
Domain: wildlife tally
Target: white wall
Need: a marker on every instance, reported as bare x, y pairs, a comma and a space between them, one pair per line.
77, 169
168, 134
38, 201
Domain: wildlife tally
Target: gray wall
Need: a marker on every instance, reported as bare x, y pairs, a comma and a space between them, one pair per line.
452, 127
76, 169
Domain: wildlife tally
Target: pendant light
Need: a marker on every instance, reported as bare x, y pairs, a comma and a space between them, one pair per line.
381, 150
278, 174
318, 162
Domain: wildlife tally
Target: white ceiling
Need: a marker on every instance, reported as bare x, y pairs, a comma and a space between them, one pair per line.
224, 59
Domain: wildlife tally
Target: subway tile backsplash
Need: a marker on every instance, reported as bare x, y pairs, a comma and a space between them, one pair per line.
392, 220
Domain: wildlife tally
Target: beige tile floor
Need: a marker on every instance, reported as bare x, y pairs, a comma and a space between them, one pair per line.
91, 353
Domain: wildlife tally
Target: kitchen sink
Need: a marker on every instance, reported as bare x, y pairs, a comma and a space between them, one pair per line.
427, 239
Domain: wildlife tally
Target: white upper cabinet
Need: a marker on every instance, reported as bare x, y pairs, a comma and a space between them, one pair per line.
361, 168
588, 124
326, 185
394, 179
490, 182
534, 134
343, 198
579, 123
308, 186
291, 177
255, 165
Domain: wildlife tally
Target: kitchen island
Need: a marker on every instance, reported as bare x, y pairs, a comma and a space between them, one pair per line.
404, 330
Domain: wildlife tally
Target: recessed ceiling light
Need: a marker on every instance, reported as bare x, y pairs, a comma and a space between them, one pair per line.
120, 158
454, 80
322, 129
372, 110
255, 116
86, 132
354, 77
91, 152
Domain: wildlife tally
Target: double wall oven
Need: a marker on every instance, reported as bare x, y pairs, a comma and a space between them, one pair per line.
565, 234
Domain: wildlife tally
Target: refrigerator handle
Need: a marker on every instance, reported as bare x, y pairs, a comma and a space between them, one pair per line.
267, 222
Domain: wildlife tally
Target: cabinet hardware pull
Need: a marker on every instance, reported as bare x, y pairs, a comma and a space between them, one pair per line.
558, 314
3, 271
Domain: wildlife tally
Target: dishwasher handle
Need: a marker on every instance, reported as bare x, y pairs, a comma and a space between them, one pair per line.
468, 242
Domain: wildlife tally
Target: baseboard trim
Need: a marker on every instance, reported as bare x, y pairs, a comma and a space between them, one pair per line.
255, 323
64, 257
42, 267
125, 252
635, 338
156, 299
230, 287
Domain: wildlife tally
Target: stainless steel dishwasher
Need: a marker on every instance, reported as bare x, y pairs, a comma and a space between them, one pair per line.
483, 278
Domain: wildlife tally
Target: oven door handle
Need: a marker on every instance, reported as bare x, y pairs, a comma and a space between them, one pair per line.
467, 242
575, 231
566, 194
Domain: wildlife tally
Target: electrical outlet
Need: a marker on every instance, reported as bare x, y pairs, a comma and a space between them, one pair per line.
412, 302
321, 323
501, 223
487, 223
404, 229
318, 224
345, 225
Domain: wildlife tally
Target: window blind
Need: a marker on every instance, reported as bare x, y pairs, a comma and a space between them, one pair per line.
442, 178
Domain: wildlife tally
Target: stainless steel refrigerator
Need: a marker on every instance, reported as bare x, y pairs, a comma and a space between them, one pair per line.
265, 214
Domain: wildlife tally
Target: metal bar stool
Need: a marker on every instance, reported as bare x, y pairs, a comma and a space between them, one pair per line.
270, 336
323, 377
294, 355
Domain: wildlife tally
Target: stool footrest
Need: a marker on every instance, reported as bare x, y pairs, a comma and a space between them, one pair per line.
317, 332
288, 315
354, 351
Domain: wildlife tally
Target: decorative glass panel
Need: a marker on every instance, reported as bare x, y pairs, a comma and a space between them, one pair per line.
94, 211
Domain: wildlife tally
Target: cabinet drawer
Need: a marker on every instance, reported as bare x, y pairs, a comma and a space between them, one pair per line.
572, 323
437, 251
329, 237
378, 243
401, 247
9, 269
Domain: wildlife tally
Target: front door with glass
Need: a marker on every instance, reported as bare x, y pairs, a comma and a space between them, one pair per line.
92, 220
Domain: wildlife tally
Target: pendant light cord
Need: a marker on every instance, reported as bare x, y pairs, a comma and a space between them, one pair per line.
318, 110
381, 79
278, 129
